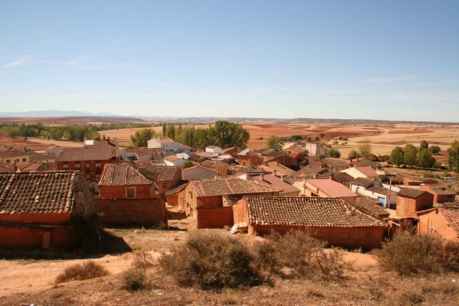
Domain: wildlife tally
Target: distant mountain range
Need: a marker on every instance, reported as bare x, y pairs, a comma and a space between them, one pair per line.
55, 113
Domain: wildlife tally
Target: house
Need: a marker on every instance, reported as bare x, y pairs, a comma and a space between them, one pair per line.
442, 193
175, 196
214, 150
314, 149
278, 169
44, 210
361, 172
285, 189
209, 201
140, 154
89, 160
11, 156
335, 164
342, 178
167, 146
198, 172
370, 207
332, 220
164, 177
222, 168
177, 160
249, 158
411, 201
442, 221
367, 188
127, 197
327, 188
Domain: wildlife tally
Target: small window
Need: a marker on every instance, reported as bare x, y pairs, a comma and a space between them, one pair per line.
24, 159
65, 166
77, 165
8, 161
130, 192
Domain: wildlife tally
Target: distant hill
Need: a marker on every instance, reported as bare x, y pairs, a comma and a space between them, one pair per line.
54, 113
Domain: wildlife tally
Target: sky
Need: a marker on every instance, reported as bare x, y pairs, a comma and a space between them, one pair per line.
394, 60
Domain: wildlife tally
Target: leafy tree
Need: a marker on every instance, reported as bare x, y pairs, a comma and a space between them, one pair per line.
424, 145
353, 155
171, 131
397, 156
365, 150
410, 156
141, 137
435, 150
227, 134
453, 156
295, 138
425, 159
335, 153
275, 143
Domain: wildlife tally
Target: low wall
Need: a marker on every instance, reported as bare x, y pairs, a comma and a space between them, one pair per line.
132, 212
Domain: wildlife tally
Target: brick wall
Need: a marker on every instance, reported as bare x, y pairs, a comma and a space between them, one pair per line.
142, 192
407, 207
348, 237
214, 217
132, 212
30, 237
240, 213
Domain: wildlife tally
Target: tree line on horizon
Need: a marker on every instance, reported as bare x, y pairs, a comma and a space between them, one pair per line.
224, 134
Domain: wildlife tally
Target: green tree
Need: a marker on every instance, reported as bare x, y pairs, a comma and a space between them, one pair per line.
424, 145
453, 156
275, 143
353, 155
171, 131
435, 150
425, 158
365, 150
410, 156
397, 156
141, 137
335, 153
227, 134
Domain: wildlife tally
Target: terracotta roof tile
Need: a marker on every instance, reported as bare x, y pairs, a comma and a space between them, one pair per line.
370, 207
230, 186
198, 172
411, 193
122, 174
88, 153
156, 172
307, 211
37, 192
331, 188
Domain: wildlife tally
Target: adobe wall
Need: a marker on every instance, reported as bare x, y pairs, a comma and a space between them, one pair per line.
120, 192
240, 213
214, 217
132, 212
433, 222
347, 237
29, 237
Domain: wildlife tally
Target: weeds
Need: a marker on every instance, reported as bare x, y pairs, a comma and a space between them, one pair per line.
87, 270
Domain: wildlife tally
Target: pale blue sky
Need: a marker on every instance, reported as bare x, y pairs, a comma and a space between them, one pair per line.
340, 59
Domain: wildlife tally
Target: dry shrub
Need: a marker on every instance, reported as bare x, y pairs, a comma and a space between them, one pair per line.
135, 279
143, 261
87, 270
410, 254
211, 261
296, 254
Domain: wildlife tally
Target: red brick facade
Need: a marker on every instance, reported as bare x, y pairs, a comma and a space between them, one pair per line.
133, 212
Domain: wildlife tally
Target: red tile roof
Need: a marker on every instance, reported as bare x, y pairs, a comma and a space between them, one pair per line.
122, 174
198, 172
230, 186
370, 207
411, 193
156, 172
306, 211
367, 171
97, 152
277, 183
331, 188
37, 192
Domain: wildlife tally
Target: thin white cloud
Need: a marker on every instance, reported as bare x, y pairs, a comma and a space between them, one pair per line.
16, 63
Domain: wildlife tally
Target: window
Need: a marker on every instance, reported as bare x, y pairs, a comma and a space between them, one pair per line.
24, 159
8, 161
130, 192
65, 166
77, 165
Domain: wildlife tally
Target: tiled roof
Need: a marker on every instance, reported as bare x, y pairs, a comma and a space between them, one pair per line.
156, 172
411, 193
37, 192
230, 186
176, 189
88, 153
383, 191
336, 164
122, 174
331, 188
306, 211
277, 183
6, 168
11, 152
370, 207
367, 171
342, 177
197, 172
362, 182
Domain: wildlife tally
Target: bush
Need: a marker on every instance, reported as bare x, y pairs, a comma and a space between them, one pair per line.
298, 255
410, 254
211, 261
135, 279
87, 270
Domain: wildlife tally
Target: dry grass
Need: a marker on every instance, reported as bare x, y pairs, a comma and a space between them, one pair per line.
84, 271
